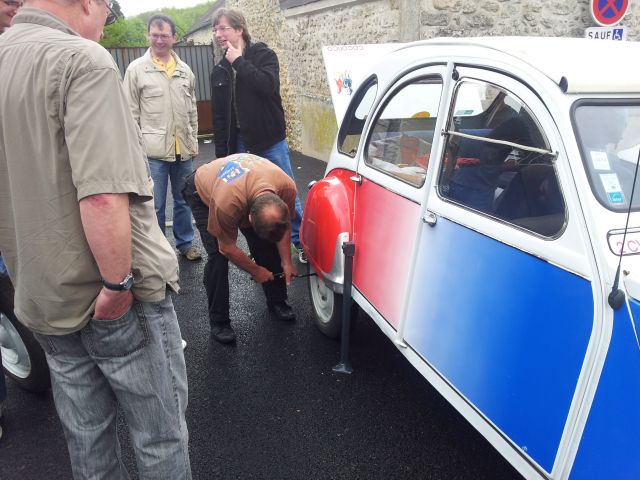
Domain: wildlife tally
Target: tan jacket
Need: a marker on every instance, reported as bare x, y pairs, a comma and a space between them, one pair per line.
66, 133
163, 107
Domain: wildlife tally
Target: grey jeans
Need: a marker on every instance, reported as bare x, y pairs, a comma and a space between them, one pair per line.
134, 363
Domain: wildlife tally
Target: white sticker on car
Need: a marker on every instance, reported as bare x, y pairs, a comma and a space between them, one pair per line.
612, 187
600, 160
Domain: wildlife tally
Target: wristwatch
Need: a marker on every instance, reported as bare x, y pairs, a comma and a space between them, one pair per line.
123, 286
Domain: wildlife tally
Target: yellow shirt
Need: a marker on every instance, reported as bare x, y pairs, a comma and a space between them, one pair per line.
169, 68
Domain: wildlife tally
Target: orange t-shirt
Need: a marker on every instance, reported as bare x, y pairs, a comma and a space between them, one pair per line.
230, 185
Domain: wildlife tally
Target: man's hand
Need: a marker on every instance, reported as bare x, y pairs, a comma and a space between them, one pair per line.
262, 275
232, 53
289, 272
111, 305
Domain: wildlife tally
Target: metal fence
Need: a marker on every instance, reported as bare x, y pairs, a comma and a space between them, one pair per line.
198, 57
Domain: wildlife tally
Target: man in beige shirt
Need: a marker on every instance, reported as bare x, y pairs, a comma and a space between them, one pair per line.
78, 232
161, 92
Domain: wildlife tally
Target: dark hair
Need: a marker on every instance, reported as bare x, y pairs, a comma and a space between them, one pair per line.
270, 217
236, 21
158, 20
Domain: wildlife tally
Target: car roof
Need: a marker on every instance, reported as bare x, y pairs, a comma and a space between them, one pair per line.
577, 65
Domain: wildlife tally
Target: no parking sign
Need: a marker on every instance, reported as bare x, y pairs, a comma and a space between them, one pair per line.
608, 12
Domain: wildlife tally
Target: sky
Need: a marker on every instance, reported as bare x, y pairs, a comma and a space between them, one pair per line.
134, 7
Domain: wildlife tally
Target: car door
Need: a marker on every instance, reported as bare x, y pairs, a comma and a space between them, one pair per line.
392, 169
501, 302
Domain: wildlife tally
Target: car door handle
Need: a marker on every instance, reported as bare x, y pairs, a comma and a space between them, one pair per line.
430, 219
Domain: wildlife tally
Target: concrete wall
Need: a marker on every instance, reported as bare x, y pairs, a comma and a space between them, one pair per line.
298, 33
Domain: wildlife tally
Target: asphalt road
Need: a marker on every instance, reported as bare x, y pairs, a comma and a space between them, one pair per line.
271, 407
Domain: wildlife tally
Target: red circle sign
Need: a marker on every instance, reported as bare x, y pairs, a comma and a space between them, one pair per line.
608, 12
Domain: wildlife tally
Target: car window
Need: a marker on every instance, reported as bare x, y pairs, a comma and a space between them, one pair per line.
355, 118
400, 140
498, 160
607, 132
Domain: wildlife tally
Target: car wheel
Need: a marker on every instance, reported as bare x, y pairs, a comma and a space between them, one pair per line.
327, 306
22, 356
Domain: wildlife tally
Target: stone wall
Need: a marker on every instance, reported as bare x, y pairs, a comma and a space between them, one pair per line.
201, 37
298, 34
554, 18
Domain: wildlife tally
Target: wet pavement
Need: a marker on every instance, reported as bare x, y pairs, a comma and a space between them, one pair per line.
270, 407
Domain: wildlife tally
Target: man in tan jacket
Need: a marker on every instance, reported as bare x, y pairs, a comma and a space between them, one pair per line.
91, 269
162, 98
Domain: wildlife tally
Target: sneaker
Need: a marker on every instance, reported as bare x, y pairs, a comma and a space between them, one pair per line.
297, 249
282, 311
192, 253
223, 333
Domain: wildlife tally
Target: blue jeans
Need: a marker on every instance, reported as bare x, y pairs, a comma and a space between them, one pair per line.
162, 172
278, 153
134, 364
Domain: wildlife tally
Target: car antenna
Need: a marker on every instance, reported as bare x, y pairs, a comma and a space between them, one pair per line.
616, 297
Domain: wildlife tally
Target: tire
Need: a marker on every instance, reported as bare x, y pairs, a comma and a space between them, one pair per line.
327, 307
23, 359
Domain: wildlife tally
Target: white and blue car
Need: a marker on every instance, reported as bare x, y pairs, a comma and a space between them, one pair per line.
488, 187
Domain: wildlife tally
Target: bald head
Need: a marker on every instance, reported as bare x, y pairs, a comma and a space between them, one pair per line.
87, 17
270, 217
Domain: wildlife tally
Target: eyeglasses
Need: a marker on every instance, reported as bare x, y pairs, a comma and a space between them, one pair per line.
13, 3
221, 29
112, 17
160, 36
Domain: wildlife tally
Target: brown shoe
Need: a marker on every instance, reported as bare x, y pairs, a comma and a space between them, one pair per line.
191, 253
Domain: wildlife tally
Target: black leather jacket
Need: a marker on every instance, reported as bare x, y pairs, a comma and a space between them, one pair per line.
258, 101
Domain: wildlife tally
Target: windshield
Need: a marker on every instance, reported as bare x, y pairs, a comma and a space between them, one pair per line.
609, 139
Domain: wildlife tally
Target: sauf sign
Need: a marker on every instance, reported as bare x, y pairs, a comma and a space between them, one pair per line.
608, 14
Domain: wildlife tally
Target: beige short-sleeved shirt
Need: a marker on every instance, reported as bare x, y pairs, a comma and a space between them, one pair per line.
231, 184
66, 132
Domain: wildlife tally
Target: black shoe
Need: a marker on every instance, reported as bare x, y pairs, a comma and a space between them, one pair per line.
223, 333
282, 311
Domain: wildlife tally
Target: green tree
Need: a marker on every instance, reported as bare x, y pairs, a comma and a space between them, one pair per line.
117, 9
131, 32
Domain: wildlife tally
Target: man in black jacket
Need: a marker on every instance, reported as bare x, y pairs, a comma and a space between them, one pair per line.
247, 108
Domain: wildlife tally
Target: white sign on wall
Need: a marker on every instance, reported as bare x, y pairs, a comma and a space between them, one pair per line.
606, 33
346, 67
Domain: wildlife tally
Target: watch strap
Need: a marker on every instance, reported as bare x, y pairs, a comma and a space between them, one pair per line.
124, 285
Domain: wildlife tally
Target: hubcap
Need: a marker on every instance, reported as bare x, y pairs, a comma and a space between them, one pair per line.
15, 357
322, 298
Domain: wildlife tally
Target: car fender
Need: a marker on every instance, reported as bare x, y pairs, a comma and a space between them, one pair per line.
327, 223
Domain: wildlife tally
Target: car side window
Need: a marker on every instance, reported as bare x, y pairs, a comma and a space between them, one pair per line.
355, 117
498, 160
400, 140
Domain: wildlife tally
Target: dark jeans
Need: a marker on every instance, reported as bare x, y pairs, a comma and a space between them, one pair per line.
216, 271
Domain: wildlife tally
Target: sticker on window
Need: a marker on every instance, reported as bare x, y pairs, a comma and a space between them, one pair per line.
231, 172
600, 160
612, 187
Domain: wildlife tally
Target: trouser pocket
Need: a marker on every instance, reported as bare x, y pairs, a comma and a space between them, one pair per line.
117, 338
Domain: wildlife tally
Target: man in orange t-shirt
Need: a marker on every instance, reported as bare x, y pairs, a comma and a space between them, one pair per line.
247, 193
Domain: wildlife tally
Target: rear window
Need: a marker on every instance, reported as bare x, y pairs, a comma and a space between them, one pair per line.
609, 140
